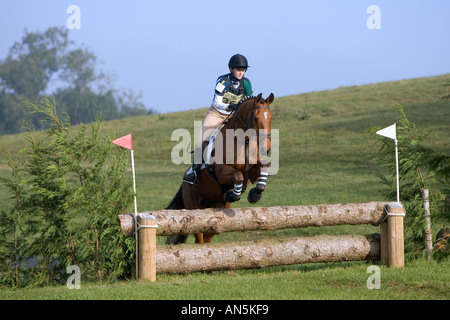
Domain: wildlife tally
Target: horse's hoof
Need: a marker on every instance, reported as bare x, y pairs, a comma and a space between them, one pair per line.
254, 195
260, 187
230, 196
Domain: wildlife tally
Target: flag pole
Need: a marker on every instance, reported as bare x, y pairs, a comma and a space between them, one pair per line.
135, 215
396, 171
126, 142
391, 132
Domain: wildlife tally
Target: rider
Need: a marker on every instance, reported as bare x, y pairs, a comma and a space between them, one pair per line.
230, 89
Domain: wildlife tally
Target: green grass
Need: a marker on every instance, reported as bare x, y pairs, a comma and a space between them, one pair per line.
418, 280
325, 157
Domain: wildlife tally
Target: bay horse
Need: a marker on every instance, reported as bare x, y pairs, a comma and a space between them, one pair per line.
222, 182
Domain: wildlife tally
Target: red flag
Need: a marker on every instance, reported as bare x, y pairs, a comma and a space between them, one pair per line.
124, 141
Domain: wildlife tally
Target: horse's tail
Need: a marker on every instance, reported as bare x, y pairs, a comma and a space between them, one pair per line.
176, 203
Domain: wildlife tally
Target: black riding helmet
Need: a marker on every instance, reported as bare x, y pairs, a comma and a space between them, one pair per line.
238, 61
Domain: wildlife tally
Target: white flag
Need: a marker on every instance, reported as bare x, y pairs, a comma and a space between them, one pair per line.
389, 132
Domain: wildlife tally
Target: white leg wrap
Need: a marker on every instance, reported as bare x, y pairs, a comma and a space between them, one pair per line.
237, 189
263, 178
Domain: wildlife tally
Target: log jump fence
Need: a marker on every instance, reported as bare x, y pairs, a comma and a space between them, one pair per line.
183, 258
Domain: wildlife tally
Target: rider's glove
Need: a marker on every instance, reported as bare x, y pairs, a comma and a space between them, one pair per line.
233, 106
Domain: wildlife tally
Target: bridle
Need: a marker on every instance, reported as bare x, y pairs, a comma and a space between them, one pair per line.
250, 117
247, 141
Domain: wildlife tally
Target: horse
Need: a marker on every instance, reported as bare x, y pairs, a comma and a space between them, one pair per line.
224, 180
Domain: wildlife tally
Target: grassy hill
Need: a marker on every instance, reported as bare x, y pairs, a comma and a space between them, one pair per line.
325, 154
325, 157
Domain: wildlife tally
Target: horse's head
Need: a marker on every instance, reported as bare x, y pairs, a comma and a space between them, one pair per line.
255, 113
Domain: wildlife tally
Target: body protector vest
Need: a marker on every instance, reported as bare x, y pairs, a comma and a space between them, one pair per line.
232, 89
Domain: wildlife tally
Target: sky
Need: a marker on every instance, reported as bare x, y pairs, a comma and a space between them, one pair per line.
171, 52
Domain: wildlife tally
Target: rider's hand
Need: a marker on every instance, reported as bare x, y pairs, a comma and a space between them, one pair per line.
233, 106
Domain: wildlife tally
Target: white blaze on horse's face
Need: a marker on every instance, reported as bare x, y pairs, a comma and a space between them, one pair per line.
263, 117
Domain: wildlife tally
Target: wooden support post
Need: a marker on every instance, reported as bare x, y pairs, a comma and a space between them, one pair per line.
395, 241
147, 247
428, 235
384, 247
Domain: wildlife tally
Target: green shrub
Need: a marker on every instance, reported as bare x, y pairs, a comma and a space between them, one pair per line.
419, 168
66, 197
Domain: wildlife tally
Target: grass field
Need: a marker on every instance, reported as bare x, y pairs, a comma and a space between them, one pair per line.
418, 280
325, 157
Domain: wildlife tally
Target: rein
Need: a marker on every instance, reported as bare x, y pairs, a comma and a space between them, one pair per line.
250, 116
246, 124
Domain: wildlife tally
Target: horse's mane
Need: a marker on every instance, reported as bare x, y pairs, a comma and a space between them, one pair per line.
247, 98
244, 100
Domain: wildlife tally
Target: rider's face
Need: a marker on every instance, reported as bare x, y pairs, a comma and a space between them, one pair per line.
238, 73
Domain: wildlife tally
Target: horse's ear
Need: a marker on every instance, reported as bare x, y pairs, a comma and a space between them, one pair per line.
270, 98
258, 98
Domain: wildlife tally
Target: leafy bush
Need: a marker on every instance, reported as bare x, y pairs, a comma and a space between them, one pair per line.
66, 196
419, 168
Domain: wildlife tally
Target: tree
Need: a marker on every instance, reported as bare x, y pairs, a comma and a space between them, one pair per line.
13, 225
31, 63
26, 72
48, 61
419, 168
67, 195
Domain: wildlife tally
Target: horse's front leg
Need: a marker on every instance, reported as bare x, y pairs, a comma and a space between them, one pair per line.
229, 175
255, 194
234, 194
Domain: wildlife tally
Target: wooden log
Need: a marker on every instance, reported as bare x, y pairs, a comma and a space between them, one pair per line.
217, 221
396, 252
186, 258
147, 247
126, 221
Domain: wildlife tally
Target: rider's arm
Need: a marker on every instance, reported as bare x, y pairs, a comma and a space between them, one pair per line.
218, 103
221, 87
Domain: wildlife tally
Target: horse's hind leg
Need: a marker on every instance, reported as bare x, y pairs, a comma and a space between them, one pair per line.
226, 175
207, 237
199, 238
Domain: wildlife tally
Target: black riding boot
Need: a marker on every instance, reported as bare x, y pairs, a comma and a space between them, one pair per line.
191, 175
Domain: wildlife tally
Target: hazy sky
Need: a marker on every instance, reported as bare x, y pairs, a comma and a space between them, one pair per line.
173, 51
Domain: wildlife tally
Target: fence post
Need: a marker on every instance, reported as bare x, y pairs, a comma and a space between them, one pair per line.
384, 246
147, 247
428, 235
395, 241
